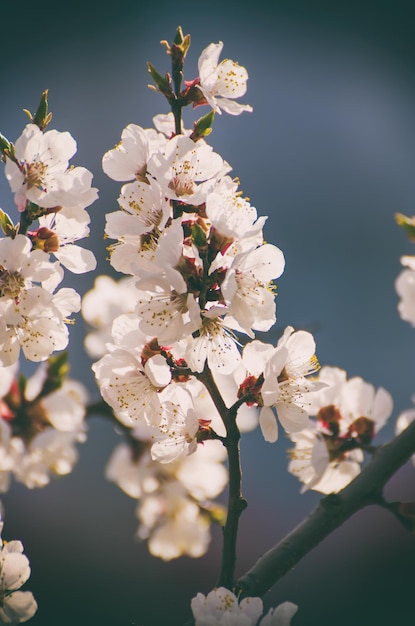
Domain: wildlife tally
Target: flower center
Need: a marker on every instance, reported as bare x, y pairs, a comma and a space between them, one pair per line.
11, 284
181, 185
34, 174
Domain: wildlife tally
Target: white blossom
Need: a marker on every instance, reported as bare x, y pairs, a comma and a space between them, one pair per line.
173, 523
134, 477
285, 386
31, 317
214, 344
143, 215
203, 473
348, 413
68, 226
16, 606
129, 387
168, 511
164, 312
280, 616
230, 213
65, 408
247, 289
42, 174
222, 82
405, 288
221, 608
186, 171
51, 452
101, 305
310, 463
128, 160
177, 429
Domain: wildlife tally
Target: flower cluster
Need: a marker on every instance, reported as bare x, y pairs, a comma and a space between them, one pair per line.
41, 417
41, 423
175, 505
348, 413
198, 281
51, 197
199, 276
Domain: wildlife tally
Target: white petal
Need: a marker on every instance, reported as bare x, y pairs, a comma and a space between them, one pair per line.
158, 371
76, 259
268, 424
15, 569
292, 417
19, 607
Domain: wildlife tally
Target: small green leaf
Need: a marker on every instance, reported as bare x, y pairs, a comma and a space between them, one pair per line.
407, 223
7, 148
163, 83
6, 224
203, 126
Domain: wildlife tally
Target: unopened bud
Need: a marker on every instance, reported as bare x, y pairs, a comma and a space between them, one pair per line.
363, 429
330, 418
199, 236
44, 239
203, 126
42, 117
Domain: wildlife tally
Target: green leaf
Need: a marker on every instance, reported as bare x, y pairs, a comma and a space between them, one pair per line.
6, 224
163, 83
7, 148
203, 126
57, 371
407, 223
42, 117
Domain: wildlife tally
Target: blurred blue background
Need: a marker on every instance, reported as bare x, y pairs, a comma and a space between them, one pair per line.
329, 155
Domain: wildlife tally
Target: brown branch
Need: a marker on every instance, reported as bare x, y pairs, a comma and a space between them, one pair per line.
236, 503
330, 513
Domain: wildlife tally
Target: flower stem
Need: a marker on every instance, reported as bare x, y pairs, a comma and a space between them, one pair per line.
236, 502
25, 222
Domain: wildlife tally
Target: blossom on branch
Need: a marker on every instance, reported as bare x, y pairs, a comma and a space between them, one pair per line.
101, 305
57, 234
221, 608
174, 507
277, 380
32, 317
187, 170
348, 413
41, 172
128, 160
41, 421
221, 83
